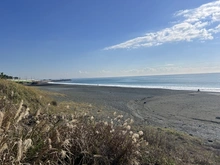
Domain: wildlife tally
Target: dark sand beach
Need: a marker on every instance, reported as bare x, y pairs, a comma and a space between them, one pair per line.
195, 113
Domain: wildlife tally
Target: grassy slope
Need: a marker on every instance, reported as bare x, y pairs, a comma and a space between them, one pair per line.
86, 141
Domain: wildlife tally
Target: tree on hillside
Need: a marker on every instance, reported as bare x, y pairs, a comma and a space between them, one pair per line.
4, 76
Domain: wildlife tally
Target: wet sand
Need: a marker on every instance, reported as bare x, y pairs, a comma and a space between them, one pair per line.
195, 113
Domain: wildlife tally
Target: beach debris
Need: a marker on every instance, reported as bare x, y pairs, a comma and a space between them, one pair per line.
210, 140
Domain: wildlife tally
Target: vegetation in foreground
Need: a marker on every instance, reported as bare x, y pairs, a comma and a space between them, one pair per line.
34, 129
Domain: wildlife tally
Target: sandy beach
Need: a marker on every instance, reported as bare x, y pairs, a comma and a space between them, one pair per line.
195, 113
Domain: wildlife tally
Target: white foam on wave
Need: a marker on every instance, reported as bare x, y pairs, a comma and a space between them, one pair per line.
202, 89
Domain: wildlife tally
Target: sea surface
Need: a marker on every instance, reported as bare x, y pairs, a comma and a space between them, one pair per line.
209, 82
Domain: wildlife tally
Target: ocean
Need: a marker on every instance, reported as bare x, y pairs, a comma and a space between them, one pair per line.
209, 82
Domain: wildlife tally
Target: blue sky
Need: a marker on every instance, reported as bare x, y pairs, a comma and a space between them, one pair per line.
82, 38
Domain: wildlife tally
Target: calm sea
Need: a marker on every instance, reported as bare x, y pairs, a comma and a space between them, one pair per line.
205, 82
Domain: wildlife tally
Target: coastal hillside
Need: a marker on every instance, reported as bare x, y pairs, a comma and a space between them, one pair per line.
37, 129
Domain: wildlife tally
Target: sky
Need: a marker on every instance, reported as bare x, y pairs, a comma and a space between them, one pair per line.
82, 38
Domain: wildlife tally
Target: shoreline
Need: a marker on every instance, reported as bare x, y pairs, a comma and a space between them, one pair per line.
192, 112
201, 89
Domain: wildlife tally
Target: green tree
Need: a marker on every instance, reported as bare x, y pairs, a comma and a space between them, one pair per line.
4, 76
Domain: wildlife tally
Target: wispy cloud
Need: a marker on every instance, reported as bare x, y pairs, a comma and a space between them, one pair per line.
83, 72
174, 69
105, 71
194, 24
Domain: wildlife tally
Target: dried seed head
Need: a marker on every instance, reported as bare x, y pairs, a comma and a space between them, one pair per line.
144, 143
46, 128
128, 127
66, 143
58, 136
50, 147
19, 151
63, 154
124, 132
97, 156
134, 140
49, 143
105, 123
7, 126
111, 131
74, 121
3, 147
135, 136
26, 113
119, 117
127, 120
27, 144
135, 162
112, 122
138, 153
72, 116
140, 133
125, 124
19, 110
12, 93
20, 117
1, 118
37, 113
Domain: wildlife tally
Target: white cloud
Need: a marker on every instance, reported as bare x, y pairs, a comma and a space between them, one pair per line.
197, 24
83, 72
104, 72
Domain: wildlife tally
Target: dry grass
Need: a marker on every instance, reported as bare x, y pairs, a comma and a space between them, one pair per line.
171, 147
65, 139
14, 93
40, 137
38, 130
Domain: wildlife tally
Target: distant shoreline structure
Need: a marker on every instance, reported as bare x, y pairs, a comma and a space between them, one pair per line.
37, 82
60, 80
